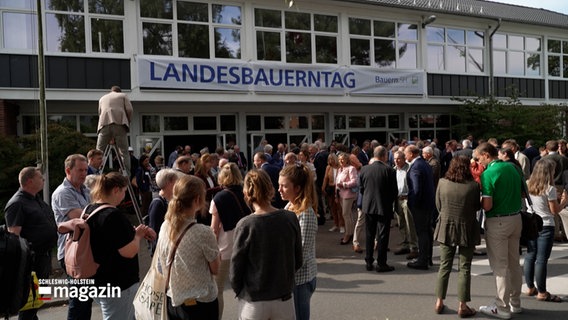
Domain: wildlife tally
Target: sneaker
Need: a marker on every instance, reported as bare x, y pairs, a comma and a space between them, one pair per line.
334, 228
516, 310
494, 311
342, 230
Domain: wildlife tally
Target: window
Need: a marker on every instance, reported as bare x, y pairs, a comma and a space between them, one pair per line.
86, 124
429, 126
517, 55
196, 29
455, 50
19, 30
69, 25
176, 123
383, 44
557, 52
150, 123
295, 37
375, 121
205, 123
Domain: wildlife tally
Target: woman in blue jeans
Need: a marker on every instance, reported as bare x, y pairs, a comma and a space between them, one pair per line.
296, 185
545, 203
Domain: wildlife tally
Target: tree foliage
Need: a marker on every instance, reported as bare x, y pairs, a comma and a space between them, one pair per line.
486, 117
18, 153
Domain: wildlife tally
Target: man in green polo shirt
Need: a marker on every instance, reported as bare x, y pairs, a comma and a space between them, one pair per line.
501, 200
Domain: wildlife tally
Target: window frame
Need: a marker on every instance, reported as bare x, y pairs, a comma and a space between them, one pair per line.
446, 46
175, 21
397, 38
311, 31
508, 51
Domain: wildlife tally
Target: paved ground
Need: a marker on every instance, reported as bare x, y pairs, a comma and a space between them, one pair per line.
345, 290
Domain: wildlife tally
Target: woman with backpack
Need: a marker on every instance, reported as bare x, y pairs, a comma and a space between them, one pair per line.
115, 245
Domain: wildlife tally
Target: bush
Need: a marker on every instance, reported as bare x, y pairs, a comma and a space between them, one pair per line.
26, 151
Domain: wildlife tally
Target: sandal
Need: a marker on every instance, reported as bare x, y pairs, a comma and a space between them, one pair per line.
466, 313
439, 309
548, 297
532, 292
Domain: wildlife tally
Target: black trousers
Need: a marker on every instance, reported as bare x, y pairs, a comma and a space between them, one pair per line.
377, 224
200, 310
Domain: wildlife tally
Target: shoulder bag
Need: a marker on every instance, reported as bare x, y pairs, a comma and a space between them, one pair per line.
150, 299
532, 222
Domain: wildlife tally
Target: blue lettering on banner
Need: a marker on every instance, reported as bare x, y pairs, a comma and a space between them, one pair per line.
235, 75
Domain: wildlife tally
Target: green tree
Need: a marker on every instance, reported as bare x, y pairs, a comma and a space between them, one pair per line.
62, 142
11, 165
486, 117
18, 153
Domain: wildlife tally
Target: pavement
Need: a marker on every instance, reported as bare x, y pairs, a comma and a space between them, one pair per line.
345, 290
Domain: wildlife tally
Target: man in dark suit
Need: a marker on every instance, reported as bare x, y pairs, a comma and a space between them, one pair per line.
240, 159
531, 152
320, 163
421, 203
378, 186
261, 162
363, 156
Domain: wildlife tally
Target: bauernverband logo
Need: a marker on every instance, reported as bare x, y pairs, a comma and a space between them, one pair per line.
81, 289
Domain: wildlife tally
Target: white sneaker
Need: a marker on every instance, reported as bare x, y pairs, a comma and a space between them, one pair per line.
494, 311
516, 310
342, 230
334, 228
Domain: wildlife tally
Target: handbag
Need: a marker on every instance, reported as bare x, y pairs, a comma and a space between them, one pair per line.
34, 301
532, 222
150, 299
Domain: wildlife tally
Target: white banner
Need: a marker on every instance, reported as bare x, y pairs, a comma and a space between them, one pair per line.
193, 74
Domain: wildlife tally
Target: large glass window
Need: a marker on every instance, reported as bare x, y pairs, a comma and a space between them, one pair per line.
455, 50
557, 53
429, 126
19, 30
86, 124
196, 29
517, 55
69, 24
295, 37
383, 44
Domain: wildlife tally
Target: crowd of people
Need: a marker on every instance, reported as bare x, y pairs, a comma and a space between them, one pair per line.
243, 209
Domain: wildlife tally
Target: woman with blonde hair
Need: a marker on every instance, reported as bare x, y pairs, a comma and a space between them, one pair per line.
328, 189
267, 252
544, 203
192, 292
295, 185
203, 172
345, 183
115, 245
227, 208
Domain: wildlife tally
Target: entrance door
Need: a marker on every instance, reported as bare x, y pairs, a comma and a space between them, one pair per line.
150, 145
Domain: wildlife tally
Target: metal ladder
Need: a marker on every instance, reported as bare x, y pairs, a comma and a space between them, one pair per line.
110, 148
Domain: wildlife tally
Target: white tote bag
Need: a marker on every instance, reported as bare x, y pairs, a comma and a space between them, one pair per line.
150, 300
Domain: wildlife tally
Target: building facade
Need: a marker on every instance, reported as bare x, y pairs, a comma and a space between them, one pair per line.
210, 73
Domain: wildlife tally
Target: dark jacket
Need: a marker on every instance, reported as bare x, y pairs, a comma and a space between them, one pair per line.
420, 183
377, 184
267, 252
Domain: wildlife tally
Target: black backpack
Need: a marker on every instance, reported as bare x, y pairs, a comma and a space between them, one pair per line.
15, 272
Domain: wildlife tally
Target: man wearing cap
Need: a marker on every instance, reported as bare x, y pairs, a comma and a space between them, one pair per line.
115, 114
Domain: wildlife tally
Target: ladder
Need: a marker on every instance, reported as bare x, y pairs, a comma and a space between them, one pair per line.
108, 158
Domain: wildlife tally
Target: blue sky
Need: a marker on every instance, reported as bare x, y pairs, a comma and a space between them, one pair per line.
554, 5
